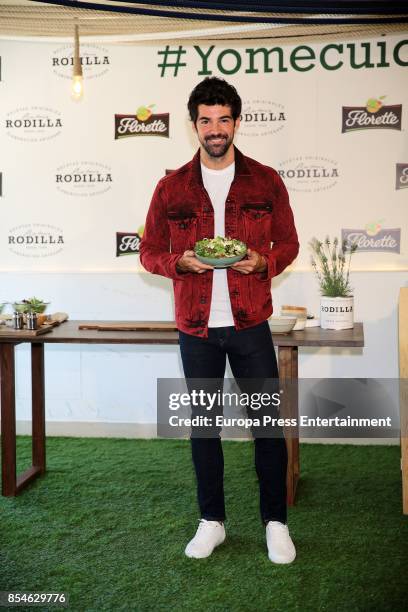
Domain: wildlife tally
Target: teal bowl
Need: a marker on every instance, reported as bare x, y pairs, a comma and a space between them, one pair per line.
220, 262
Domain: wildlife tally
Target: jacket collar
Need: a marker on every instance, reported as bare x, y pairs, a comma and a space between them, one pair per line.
241, 167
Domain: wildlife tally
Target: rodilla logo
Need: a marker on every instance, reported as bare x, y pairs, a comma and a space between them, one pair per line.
309, 173
373, 116
402, 176
261, 118
33, 124
83, 178
143, 123
95, 61
373, 238
332, 309
35, 240
128, 243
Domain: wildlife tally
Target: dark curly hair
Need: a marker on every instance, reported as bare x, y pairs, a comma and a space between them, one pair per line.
214, 91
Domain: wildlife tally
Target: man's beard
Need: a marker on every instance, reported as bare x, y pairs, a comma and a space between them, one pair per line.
220, 149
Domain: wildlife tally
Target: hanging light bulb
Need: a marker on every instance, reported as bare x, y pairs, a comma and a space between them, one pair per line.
77, 79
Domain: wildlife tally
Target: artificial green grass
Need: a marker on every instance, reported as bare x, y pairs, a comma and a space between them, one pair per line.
109, 522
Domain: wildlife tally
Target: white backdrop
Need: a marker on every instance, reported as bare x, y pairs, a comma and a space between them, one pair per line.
336, 180
58, 235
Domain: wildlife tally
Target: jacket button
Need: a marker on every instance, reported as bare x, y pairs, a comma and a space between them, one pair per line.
206, 209
203, 300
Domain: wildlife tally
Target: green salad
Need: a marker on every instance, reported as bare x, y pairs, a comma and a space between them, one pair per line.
220, 247
31, 305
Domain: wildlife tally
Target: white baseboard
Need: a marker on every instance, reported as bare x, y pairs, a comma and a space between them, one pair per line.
92, 429
96, 429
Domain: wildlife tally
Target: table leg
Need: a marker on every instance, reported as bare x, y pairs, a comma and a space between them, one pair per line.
288, 369
8, 420
11, 483
38, 405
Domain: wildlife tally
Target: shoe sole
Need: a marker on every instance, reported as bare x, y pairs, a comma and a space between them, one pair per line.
280, 562
209, 554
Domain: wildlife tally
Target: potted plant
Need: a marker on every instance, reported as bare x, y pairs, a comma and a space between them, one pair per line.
329, 261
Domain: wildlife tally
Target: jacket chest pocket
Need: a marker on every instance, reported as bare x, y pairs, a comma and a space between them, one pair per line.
183, 231
257, 221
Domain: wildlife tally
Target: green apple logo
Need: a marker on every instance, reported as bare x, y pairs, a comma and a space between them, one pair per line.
373, 228
373, 104
143, 112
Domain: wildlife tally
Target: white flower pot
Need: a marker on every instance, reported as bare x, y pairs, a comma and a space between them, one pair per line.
336, 312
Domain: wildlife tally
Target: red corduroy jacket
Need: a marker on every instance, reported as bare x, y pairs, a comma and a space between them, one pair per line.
257, 211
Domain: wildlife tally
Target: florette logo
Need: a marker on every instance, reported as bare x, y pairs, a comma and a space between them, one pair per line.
33, 124
83, 178
128, 243
402, 176
143, 123
373, 238
261, 117
94, 60
35, 240
373, 116
309, 173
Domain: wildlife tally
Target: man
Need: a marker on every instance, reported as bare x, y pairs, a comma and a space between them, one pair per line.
224, 312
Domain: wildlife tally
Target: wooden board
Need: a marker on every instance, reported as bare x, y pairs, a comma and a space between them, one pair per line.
137, 326
16, 333
10, 332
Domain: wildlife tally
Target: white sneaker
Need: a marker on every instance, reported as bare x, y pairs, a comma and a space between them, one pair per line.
209, 535
280, 546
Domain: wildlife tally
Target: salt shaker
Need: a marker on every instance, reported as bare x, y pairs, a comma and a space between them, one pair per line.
18, 320
32, 322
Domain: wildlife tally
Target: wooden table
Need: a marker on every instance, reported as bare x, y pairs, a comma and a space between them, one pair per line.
68, 333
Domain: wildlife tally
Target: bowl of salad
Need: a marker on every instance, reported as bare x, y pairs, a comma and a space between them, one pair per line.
31, 305
220, 252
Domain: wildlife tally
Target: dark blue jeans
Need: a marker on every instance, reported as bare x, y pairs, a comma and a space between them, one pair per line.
251, 354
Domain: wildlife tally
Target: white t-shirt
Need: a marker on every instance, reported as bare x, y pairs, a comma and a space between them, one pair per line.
217, 184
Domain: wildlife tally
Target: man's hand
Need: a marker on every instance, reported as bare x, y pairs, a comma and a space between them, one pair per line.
254, 263
188, 262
